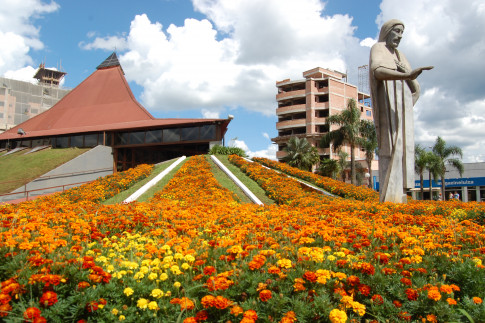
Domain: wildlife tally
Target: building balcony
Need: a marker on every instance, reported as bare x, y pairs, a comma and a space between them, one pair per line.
291, 124
320, 121
290, 95
321, 105
291, 109
280, 154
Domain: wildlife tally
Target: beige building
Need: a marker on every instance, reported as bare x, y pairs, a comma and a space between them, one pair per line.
305, 104
20, 101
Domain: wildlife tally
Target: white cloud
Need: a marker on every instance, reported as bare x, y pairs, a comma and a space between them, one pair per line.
207, 114
265, 135
225, 61
110, 43
269, 152
368, 42
446, 34
18, 33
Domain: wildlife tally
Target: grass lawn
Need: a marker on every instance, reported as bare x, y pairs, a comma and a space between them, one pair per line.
19, 169
250, 184
160, 185
127, 193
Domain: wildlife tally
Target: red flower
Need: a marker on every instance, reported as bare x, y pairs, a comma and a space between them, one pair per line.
49, 298
377, 299
406, 281
411, 294
364, 289
310, 276
31, 313
397, 304
265, 295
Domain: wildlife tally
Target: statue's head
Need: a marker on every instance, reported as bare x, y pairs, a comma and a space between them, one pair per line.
391, 33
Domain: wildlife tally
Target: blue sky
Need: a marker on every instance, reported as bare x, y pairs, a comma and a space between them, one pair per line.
212, 58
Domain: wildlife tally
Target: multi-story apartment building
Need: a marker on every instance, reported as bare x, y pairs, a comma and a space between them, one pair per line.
20, 101
305, 104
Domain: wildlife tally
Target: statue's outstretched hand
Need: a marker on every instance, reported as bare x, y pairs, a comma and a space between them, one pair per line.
417, 71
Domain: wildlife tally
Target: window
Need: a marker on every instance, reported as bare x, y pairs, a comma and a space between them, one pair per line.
153, 136
191, 133
37, 142
121, 138
77, 141
171, 134
137, 138
368, 113
208, 132
62, 142
91, 140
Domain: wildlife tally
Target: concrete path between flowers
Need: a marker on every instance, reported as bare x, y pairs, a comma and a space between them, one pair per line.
153, 182
299, 180
243, 187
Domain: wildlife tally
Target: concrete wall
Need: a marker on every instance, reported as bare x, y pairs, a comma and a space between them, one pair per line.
97, 162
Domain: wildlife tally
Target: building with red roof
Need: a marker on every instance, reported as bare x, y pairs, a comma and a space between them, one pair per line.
102, 110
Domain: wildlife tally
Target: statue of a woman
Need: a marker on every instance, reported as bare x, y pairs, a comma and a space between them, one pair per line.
394, 91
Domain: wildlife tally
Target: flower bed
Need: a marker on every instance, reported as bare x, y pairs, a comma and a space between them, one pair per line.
333, 186
185, 256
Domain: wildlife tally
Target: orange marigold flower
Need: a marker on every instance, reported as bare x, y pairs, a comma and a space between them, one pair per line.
310, 276
236, 310
431, 318
186, 303
406, 281
397, 303
265, 295
353, 280
82, 285
364, 289
5, 309
446, 289
201, 316
49, 298
477, 300
5, 298
450, 301
274, 270
222, 303
31, 313
209, 270
207, 301
190, 320
290, 317
250, 314
434, 294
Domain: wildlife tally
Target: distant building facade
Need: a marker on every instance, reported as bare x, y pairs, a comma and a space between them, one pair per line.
305, 104
20, 101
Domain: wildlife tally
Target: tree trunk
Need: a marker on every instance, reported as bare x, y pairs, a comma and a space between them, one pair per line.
431, 185
369, 165
443, 185
421, 182
352, 165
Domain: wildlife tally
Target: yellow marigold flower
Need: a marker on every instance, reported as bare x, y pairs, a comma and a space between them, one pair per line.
185, 266
178, 256
337, 316
163, 276
152, 276
153, 306
477, 261
128, 291
157, 293
284, 263
144, 269
331, 258
189, 258
177, 284
122, 318
142, 303
114, 311
110, 268
139, 275
168, 259
358, 308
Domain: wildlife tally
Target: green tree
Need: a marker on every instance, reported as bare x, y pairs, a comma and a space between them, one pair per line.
425, 160
348, 132
301, 154
446, 155
343, 163
330, 168
368, 142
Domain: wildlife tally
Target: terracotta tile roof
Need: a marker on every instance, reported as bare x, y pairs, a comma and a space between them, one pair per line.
103, 101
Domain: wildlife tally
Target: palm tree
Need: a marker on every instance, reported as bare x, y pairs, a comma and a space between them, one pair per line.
330, 168
343, 163
368, 142
301, 154
425, 160
444, 155
347, 133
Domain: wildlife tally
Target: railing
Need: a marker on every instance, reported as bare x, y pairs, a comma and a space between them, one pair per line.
26, 193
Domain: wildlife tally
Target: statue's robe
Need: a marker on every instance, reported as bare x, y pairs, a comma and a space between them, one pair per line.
393, 102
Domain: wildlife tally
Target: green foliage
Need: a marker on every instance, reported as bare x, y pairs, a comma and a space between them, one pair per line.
330, 168
224, 150
301, 154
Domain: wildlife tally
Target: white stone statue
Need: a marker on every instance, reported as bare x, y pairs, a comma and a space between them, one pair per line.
394, 91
